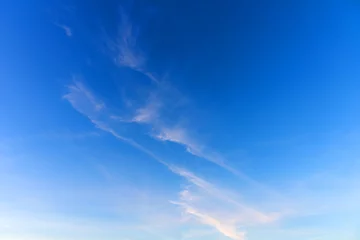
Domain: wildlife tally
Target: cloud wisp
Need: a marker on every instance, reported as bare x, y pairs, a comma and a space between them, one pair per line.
201, 200
125, 50
84, 101
66, 29
161, 100
213, 206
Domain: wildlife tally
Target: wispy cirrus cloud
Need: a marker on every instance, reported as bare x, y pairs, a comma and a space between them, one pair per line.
200, 201
163, 114
66, 29
149, 113
163, 100
229, 230
225, 197
181, 135
82, 99
124, 47
213, 206
85, 102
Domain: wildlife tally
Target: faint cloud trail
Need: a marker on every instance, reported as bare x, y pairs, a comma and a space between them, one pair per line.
128, 54
95, 110
85, 102
212, 199
67, 29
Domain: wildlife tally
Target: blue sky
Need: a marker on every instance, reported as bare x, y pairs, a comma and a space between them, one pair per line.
182, 120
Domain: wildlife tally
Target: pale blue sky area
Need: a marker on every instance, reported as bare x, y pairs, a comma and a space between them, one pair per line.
168, 120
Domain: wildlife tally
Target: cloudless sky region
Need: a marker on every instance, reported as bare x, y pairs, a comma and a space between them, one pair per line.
180, 120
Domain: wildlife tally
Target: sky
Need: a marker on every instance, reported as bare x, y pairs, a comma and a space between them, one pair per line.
180, 120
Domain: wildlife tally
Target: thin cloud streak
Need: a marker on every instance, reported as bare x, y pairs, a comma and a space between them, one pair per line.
130, 55
66, 29
181, 136
148, 113
222, 195
228, 230
125, 49
152, 114
225, 217
87, 104
209, 205
84, 101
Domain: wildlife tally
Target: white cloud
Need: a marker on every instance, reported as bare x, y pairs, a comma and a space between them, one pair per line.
181, 135
217, 193
82, 99
162, 111
213, 206
144, 115
147, 114
85, 102
128, 54
209, 205
202, 201
229, 230
66, 29
124, 47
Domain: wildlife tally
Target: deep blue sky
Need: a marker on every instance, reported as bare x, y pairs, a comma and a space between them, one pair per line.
180, 119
